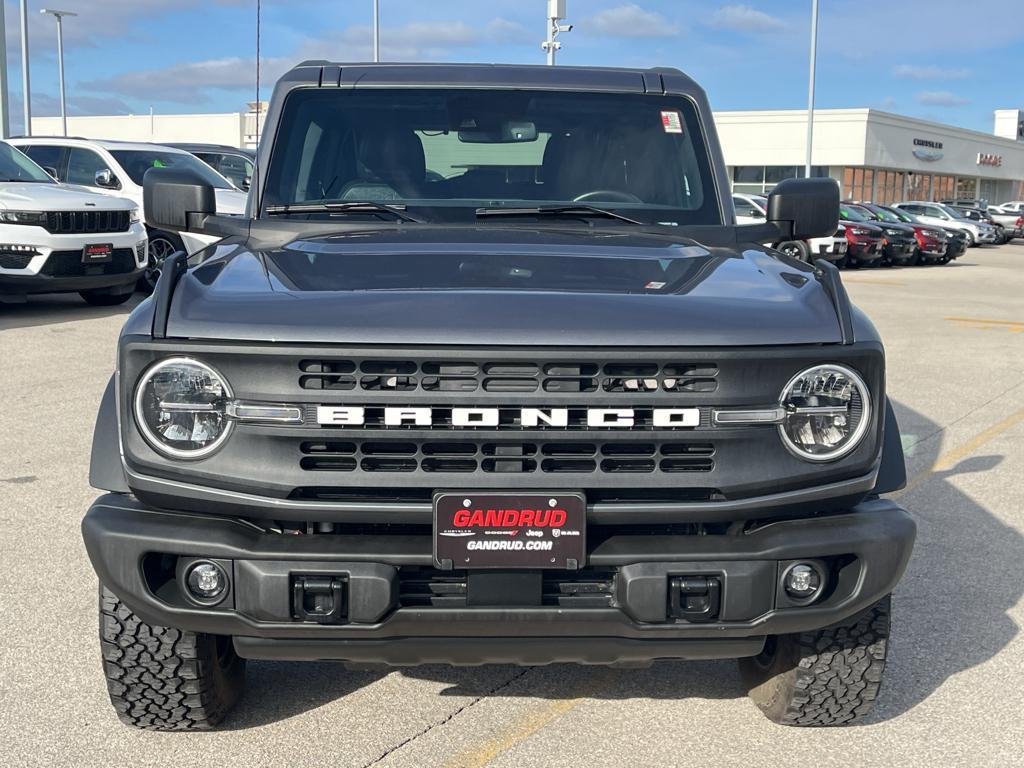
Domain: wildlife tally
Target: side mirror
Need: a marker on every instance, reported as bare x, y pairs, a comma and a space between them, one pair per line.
177, 199
246, 183
756, 213
804, 208
107, 179
51, 171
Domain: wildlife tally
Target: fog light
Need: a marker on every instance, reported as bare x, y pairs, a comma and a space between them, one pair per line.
802, 581
206, 581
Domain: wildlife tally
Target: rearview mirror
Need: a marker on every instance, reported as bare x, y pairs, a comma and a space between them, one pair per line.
805, 208
51, 171
177, 199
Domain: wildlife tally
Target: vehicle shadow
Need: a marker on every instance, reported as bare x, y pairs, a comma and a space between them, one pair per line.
950, 614
57, 308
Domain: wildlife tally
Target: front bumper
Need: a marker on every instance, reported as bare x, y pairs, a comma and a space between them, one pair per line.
865, 250
140, 554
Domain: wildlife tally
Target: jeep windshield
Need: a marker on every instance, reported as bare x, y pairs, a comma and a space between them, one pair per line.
449, 153
15, 166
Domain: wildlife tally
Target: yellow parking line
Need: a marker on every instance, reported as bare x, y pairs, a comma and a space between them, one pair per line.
530, 723
984, 321
951, 458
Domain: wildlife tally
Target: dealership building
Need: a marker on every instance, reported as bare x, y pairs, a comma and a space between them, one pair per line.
876, 155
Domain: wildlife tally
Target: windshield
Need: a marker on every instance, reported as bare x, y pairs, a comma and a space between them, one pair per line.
16, 166
455, 150
901, 215
851, 213
952, 212
885, 215
137, 161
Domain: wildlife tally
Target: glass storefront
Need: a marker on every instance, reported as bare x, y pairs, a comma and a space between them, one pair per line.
883, 186
759, 179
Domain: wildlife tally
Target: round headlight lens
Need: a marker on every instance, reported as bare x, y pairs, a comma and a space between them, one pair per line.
180, 408
828, 410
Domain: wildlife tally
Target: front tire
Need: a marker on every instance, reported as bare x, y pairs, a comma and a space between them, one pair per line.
795, 249
161, 246
166, 679
971, 242
828, 677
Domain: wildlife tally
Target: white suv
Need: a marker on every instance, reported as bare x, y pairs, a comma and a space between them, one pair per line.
940, 215
58, 238
753, 209
117, 168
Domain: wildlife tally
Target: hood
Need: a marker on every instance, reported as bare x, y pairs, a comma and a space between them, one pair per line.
511, 286
876, 229
41, 196
231, 201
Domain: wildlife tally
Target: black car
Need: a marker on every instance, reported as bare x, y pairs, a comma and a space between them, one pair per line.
899, 245
488, 374
233, 163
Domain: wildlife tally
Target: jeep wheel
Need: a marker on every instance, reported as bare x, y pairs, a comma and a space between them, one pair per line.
161, 246
795, 249
166, 679
971, 242
828, 677
100, 298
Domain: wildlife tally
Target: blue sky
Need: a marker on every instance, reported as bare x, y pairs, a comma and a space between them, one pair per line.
950, 61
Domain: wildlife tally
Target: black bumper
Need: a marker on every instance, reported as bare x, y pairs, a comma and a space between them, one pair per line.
22, 284
868, 547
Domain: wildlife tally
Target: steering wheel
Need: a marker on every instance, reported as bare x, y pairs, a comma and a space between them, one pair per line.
609, 195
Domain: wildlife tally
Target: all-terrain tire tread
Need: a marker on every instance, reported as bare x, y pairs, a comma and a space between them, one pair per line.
837, 674
161, 678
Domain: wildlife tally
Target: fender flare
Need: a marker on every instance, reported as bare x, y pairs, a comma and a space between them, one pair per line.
105, 469
892, 472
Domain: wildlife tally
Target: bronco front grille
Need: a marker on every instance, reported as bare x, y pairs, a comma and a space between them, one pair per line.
509, 377
545, 457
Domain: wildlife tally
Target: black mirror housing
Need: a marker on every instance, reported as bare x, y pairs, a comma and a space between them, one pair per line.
177, 199
805, 208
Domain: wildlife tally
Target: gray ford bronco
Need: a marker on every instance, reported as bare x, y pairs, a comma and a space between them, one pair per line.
488, 374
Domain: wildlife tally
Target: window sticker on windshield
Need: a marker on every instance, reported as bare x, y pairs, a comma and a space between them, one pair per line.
671, 121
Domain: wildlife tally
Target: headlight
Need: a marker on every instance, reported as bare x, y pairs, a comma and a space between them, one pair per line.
893, 232
828, 409
860, 231
23, 217
135, 216
180, 407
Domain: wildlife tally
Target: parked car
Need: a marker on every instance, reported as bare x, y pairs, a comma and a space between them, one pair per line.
1011, 222
863, 236
944, 216
1014, 206
59, 238
753, 209
117, 168
967, 202
427, 423
933, 243
232, 163
978, 214
899, 245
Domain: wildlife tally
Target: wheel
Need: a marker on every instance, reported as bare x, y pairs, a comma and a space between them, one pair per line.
166, 679
795, 249
828, 677
971, 242
161, 246
842, 262
914, 259
101, 298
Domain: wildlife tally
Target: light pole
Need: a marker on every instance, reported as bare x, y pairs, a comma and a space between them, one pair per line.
376, 30
556, 13
5, 116
26, 95
59, 15
810, 87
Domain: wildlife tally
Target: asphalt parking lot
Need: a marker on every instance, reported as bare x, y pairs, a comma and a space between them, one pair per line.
952, 695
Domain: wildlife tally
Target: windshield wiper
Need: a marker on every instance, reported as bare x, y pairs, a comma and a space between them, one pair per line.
575, 211
354, 206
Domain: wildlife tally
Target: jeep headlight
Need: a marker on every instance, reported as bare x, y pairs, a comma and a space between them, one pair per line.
180, 407
827, 412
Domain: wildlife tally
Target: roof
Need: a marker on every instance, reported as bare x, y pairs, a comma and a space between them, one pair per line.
193, 146
79, 141
363, 74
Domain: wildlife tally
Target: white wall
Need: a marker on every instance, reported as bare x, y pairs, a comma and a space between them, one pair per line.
225, 128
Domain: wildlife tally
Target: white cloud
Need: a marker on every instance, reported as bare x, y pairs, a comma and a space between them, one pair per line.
916, 72
744, 18
630, 21
940, 99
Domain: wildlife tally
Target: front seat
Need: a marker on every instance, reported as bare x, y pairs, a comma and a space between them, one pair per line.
389, 165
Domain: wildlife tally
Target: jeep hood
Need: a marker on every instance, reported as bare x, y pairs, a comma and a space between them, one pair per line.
499, 286
43, 196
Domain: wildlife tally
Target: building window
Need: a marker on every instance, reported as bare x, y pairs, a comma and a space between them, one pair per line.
759, 179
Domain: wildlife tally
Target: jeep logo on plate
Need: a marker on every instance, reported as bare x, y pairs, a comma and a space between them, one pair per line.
596, 418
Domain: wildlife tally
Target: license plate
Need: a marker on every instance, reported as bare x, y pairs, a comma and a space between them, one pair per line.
509, 530
97, 254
